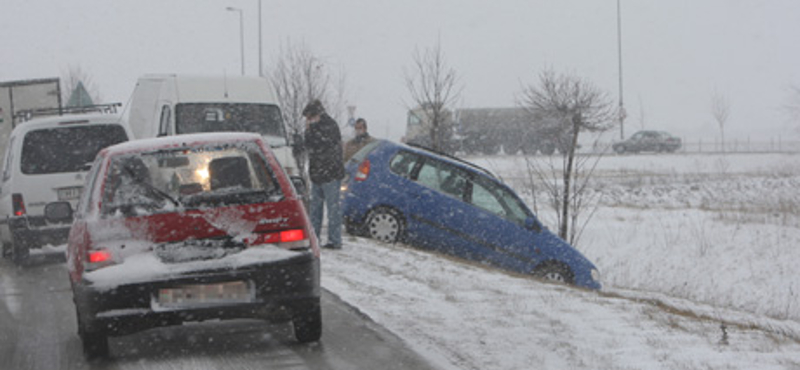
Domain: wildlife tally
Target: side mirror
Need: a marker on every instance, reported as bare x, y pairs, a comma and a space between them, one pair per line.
299, 185
58, 212
531, 223
298, 144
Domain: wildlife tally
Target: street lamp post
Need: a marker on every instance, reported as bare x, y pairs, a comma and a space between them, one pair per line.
241, 32
260, 64
621, 111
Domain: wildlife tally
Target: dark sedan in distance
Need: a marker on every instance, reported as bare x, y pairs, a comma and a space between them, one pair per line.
648, 141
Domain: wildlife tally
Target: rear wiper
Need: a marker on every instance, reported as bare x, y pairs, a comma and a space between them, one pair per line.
151, 187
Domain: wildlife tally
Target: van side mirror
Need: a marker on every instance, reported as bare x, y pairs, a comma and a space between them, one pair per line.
299, 185
58, 212
531, 223
298, 144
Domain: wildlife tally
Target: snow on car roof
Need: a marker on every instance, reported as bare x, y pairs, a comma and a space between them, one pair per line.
50, 121
180, 141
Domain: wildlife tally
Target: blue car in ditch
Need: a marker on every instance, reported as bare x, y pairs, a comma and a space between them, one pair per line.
394, 192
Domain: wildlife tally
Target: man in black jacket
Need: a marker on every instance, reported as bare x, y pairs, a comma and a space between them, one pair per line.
323, 142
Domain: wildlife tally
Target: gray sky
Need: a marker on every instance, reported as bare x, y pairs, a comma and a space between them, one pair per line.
675, 53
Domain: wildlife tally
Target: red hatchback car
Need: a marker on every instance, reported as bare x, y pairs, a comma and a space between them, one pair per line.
190, 228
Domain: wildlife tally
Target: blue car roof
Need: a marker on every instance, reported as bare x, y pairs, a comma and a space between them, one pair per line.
443, 156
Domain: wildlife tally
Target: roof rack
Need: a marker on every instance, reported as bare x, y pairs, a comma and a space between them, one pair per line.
29, 114
450, 156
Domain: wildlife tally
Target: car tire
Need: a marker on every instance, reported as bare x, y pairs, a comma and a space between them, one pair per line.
95, 344
308, 326
384, 224
555, 272
20, 251
619, 149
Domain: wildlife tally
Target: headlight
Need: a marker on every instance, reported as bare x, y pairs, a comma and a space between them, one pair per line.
596, 275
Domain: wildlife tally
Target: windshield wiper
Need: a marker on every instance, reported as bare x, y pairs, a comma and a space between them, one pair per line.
151, 187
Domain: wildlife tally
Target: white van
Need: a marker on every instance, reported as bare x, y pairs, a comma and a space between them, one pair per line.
170, 104
46, 160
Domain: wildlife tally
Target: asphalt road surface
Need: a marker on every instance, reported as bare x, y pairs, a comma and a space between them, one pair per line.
38, 331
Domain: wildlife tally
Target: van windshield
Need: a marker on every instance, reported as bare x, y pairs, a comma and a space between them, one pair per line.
264, 119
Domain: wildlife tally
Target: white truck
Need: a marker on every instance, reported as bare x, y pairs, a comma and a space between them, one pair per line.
171, 104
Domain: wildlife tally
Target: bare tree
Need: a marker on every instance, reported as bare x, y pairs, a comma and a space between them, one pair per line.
299, 77
74, 76
792, 106
641, 113
720, 109
576, 106
434, 87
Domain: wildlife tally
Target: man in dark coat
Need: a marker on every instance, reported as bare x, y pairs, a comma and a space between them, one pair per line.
323, 141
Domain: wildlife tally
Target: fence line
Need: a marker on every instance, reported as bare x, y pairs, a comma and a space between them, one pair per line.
774, 145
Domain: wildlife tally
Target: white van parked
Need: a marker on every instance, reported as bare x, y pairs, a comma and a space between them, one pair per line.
170, 104
46, 160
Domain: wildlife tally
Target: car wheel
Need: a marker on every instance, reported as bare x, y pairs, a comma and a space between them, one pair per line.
619, 149
20, 251
385, 225
95, 344
308, 326
554, 271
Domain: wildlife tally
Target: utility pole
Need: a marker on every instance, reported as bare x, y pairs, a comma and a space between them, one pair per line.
241, 32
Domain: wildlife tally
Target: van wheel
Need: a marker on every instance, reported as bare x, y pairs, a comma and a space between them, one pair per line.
19, 251
385, 224
308, 325
554, 271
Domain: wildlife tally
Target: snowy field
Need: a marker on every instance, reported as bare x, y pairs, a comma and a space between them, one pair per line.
698, 255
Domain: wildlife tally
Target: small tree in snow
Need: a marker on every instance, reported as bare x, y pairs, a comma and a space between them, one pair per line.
792, 106
575, 105
720, 109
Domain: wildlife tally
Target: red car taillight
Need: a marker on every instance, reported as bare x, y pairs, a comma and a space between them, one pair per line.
288, 239
98, 258
18, 204
363, 170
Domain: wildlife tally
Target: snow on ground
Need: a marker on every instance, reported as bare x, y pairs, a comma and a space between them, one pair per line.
685, 244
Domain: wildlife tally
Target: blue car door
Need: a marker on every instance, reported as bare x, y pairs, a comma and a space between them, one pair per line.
500, 228
436, 218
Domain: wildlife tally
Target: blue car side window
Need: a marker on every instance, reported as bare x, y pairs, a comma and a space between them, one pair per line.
443, 178
495, 199
403, 163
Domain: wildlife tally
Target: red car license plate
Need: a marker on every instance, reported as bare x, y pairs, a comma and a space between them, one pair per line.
206, 294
